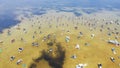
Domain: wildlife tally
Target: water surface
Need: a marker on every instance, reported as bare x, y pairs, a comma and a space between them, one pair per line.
9, 8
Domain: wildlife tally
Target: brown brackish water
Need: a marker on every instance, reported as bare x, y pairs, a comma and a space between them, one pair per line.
50, 31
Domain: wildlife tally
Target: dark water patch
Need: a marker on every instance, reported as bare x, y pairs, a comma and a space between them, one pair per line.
33, 65
74, 11
66, 10
7, 21
77, 13
55, 61
34, 11
38, 11
50, 43
89, 11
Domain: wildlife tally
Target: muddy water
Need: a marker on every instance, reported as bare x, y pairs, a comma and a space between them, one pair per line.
62, 24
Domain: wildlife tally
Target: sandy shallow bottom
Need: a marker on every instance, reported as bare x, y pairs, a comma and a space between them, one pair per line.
60, 25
